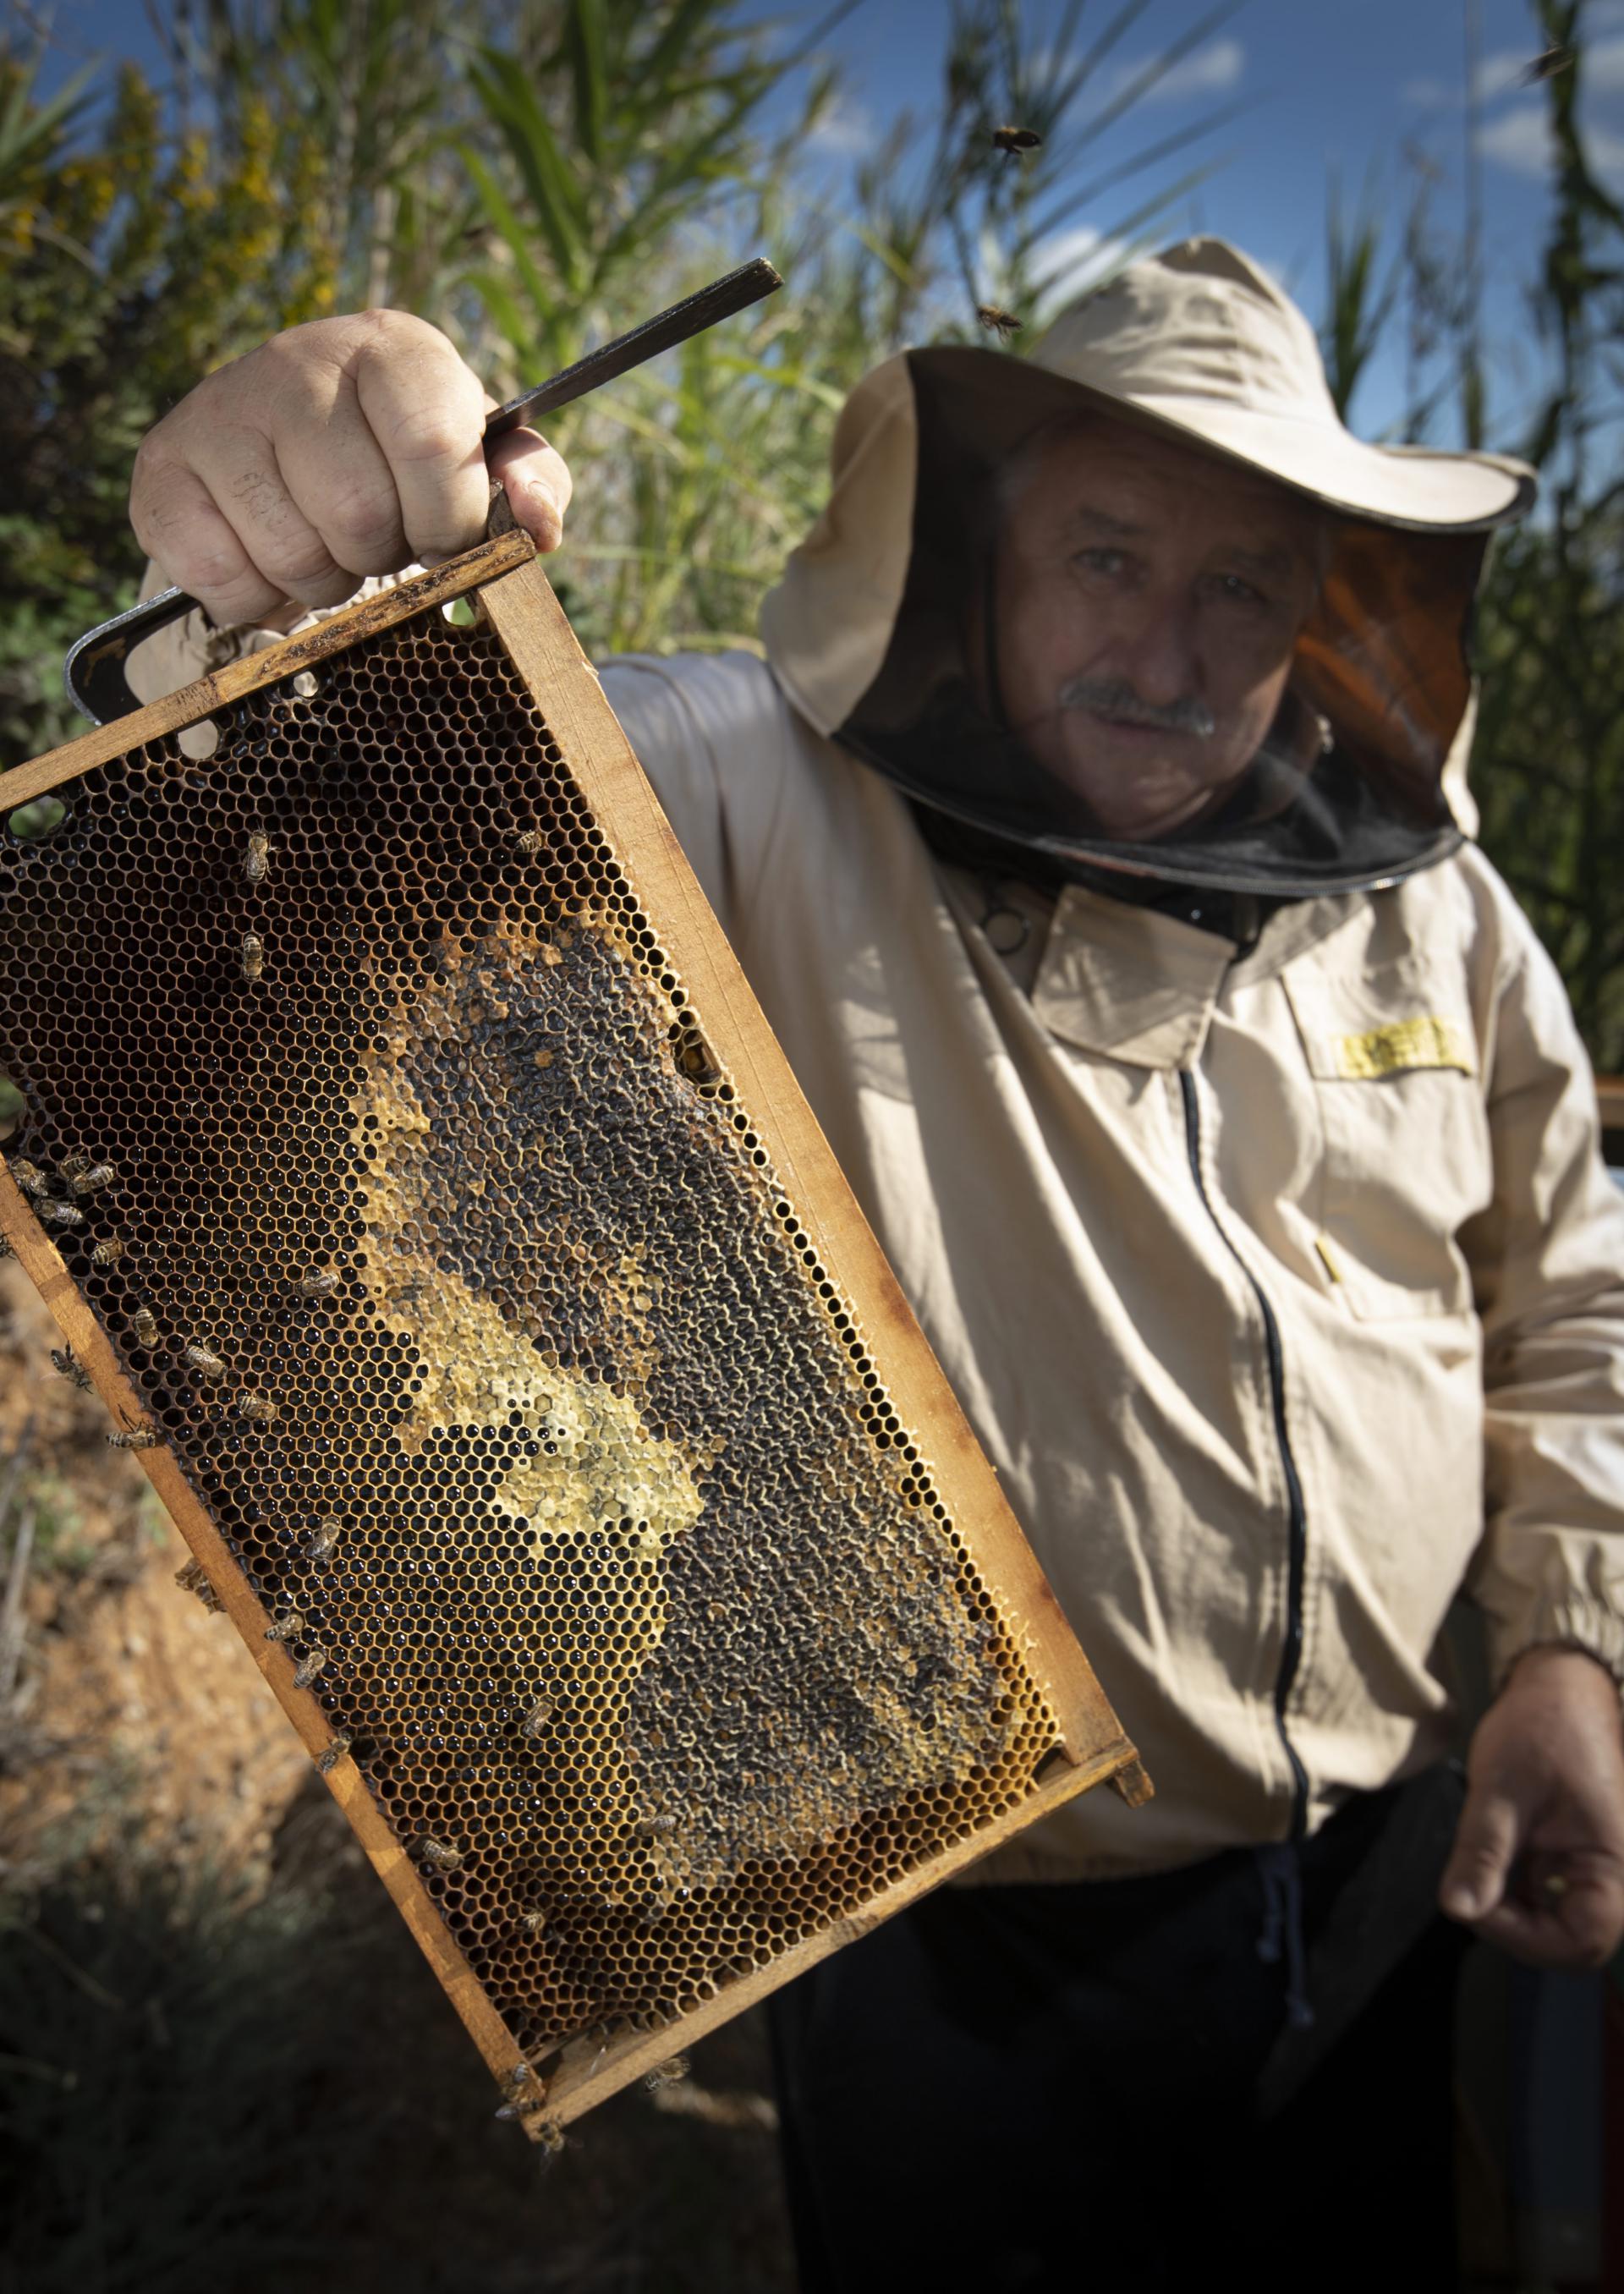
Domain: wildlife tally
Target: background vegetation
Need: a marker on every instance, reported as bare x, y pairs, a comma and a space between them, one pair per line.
534, 175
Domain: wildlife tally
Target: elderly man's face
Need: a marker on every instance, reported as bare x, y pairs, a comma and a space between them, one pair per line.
1148, 601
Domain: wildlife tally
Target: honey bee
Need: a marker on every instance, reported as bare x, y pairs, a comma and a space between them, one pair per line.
653, 1827
1547, 66
309, 1665
539, 1714
194, 1579
143, 1322
72, 1163
1013, 140
258, 1409
439, 1855
144, 1437
253, 956
203, 1361
57, 1214
91, 1177
666, 2074
290, 1628
28, 1176
257, 856
328, 1757
532, 1924
527, 843
108, 1252
6, 1246
319, 1283
551, 2135
323, 1541
997, 321
67, 1365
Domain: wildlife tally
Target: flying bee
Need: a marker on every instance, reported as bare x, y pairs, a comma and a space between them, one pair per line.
997, 321
203, 1361
551, 2135
666, 2074
1547, 66
258, 1409
318, 1282
253, 956
290, 1628
144, 1437
194, 1579
439, 1855
57, 1214
323, 1541
257, 856
1013, 140
309, 1665
92, 1177
143, 1322
108, 1252
328, 1757
28, 1176
67, 1365
527, 843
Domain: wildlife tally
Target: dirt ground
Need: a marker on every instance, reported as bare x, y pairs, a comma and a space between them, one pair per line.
227, 2059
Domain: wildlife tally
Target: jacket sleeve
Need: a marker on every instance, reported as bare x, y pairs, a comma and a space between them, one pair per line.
1547, 1264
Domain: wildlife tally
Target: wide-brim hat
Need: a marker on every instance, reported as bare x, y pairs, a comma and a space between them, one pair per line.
1200, 344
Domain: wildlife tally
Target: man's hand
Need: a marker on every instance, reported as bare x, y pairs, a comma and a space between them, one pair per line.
347, 447
1537, 1865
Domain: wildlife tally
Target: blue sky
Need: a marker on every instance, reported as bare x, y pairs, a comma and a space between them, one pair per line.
1346, 86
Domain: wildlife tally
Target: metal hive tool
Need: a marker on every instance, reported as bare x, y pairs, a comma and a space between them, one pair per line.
407, 1163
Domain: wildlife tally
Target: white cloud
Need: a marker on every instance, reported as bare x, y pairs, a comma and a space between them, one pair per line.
845, 133
1501, 75
1210, 70
1072, 261
1604, 66
1520, 141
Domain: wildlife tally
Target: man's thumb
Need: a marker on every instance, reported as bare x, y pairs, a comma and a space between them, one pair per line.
1485, 1842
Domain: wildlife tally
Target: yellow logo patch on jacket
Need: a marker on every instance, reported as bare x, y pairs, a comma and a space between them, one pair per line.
1428, 1041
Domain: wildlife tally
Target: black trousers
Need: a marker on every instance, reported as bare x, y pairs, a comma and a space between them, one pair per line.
1018, 2090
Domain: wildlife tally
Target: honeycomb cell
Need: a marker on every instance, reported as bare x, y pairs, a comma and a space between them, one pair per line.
400, 1169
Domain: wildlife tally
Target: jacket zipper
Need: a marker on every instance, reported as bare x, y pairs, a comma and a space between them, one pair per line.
1296, 1532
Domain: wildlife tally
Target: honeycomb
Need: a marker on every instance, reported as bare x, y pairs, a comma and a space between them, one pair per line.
448, 1265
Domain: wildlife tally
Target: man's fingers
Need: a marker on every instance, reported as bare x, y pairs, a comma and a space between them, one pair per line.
1486, 1842
1574, 1927
174, 520
426, 413
536, 479
341, 484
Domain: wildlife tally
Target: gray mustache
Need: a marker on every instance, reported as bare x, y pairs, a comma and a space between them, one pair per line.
1109, 698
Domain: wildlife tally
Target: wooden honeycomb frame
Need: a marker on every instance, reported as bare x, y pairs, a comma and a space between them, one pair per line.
1000, 1654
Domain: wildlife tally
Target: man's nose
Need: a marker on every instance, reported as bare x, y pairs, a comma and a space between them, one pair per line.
1162, 657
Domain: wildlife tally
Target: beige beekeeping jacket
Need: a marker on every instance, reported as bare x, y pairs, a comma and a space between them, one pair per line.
1313, 1250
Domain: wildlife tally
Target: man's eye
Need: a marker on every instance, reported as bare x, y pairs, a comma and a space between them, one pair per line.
1240, 592
1109, 562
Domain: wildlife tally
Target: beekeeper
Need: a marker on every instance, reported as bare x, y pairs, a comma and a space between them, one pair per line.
1094, 835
